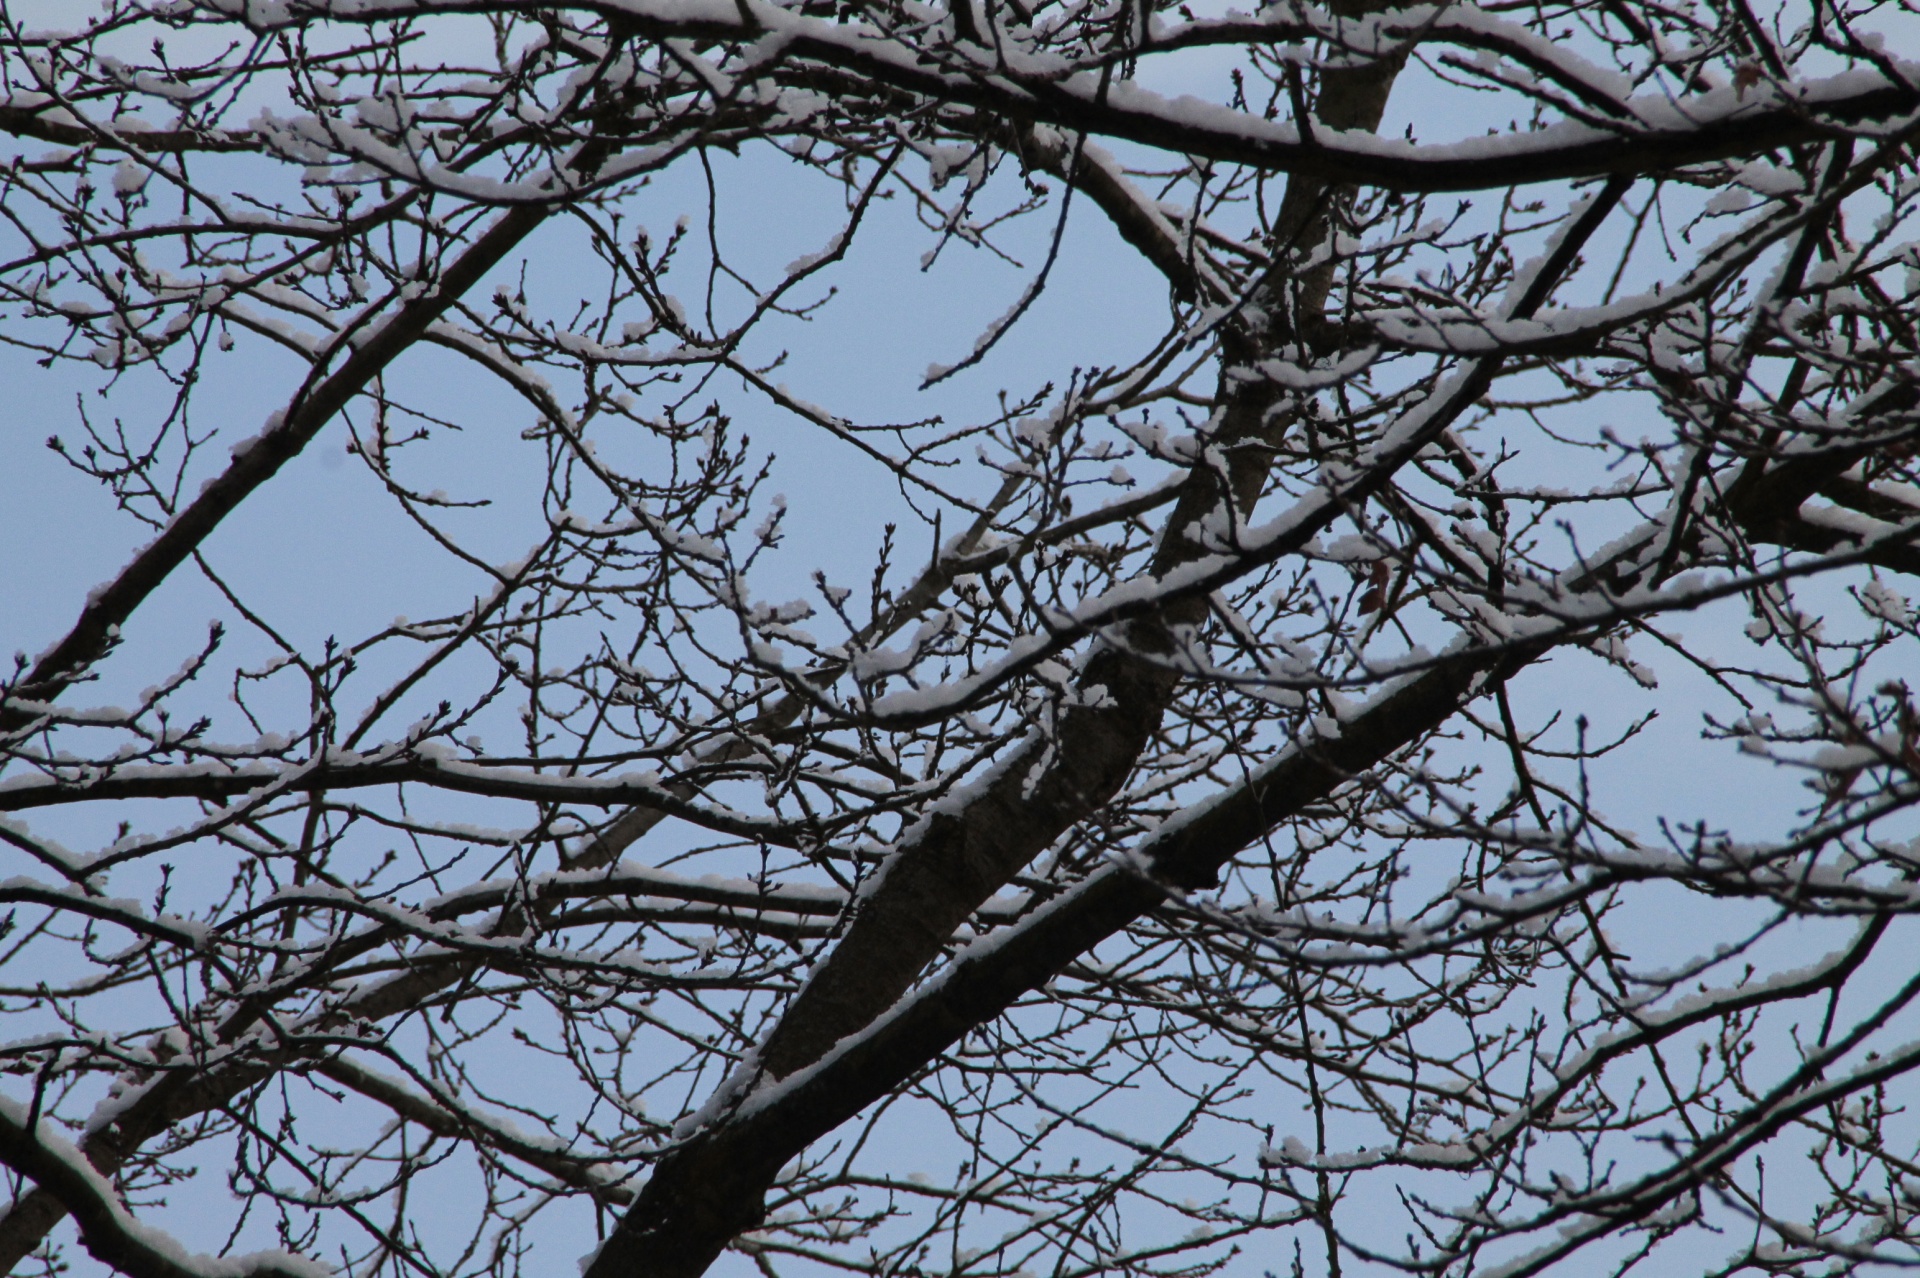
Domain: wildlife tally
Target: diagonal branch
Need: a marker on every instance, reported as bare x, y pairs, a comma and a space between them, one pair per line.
106, 1230
953, 860
707, 1191
446, 1116
110, 605
711, 1189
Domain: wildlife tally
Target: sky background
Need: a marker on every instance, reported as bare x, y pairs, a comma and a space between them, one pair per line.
322, 551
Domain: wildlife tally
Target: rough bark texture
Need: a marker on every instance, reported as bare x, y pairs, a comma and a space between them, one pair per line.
954, 861
697, 1199
659, 1222
943, 870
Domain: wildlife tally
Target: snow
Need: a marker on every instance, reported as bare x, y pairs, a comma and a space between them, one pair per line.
130, 177
1293, 1152
631, 880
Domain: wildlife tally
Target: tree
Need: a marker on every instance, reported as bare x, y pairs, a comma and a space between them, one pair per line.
1404, 768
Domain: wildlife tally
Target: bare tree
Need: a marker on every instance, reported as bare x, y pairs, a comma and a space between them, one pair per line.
1405, 769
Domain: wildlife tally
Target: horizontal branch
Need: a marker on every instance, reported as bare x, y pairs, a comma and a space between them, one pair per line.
356, 772
1660, 136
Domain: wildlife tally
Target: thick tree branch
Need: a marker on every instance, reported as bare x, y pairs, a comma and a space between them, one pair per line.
109, 1234
1716, 127
958, 855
